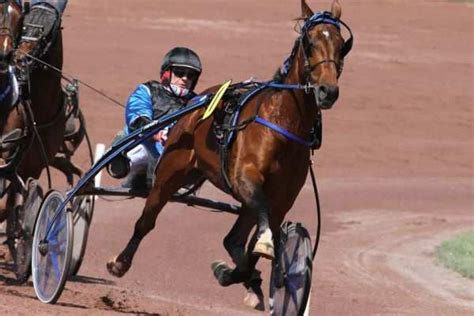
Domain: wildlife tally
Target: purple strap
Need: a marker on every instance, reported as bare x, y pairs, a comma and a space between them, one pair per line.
283, 132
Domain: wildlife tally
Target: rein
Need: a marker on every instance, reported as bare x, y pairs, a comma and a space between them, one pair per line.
68, 77
35, 127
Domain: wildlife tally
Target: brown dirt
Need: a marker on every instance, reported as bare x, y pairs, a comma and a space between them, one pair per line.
395, 170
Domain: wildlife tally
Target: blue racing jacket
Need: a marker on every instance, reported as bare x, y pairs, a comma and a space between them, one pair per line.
140, 104
152, 100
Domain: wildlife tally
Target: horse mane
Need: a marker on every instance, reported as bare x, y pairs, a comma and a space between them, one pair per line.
278, 77
283, 70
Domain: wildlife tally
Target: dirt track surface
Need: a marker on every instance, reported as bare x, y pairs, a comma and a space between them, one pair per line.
395, 170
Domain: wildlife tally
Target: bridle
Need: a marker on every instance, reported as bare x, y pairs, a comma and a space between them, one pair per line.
5, 28
318, 18
5, 53
323, 17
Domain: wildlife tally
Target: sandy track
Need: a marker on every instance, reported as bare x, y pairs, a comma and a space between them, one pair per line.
396, 167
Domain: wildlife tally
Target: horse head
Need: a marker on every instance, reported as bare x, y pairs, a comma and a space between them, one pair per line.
10, 126
10, 24
320, 51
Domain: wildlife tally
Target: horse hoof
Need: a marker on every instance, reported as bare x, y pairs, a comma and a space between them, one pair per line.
254, 301
222, 273
22, 262
264, 246
117, 268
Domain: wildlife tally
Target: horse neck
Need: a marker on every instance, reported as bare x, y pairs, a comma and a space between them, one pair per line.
4, 80
305, 108
296, 72
46, 93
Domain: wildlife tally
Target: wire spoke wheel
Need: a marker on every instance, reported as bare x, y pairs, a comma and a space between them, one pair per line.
28, 214
51, 250
82, 210
290, 283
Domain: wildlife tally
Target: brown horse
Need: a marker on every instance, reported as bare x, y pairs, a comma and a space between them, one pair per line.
265, 169
32, 123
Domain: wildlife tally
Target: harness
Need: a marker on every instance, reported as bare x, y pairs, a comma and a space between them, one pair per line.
226, 120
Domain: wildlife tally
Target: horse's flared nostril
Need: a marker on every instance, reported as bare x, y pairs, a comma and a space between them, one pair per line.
328, 94
323, 92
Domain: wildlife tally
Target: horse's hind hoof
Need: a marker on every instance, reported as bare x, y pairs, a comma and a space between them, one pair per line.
117, 268
264, 246
222, 272
254, 301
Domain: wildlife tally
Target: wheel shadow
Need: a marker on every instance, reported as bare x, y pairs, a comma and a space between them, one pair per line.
90, 280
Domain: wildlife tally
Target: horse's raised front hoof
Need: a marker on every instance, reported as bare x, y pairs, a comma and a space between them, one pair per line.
118, 268
264, 245
222, 272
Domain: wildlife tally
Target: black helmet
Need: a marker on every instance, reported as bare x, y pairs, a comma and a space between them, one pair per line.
181, 57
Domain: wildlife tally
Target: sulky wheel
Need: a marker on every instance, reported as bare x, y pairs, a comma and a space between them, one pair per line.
28, 212
82, 210
52, 248
290, 283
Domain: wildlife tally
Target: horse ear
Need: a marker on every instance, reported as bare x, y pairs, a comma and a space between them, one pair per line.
306, 12
336, 9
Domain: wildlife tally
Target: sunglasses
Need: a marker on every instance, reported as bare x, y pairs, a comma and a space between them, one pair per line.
185, 72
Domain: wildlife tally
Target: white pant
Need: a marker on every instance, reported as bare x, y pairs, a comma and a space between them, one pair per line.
139, 159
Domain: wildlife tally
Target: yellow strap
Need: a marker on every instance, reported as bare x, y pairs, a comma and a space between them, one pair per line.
216, 99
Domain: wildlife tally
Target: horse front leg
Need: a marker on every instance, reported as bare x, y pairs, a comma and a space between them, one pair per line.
250, 189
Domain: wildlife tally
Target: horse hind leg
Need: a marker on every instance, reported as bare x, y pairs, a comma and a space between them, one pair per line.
171, 174
67, 167
234, 243
245, 271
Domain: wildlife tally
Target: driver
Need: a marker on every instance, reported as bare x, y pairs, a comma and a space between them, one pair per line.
179, 74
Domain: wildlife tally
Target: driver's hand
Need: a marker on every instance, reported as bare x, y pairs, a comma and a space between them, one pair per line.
161, 136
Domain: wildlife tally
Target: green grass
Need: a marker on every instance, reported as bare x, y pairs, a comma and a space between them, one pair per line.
458, 254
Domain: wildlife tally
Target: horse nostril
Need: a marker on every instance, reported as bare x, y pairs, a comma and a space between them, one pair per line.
328, 93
